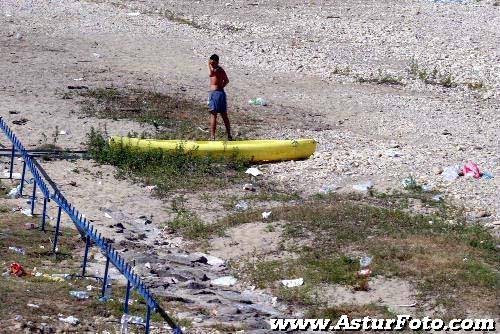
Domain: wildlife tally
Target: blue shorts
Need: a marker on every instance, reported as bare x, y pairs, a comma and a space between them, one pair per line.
217, 101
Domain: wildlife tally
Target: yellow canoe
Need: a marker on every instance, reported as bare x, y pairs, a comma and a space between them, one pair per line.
254, 150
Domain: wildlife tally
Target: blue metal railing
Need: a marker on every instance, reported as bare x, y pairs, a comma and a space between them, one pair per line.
86, 229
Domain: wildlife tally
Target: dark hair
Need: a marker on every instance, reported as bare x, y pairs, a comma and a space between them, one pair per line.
214, 57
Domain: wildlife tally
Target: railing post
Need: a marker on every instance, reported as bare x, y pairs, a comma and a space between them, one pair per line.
22, 178
105, 281
44, 213
11, 168
56, 236
85, 255
148, 318
127, 297
33, 197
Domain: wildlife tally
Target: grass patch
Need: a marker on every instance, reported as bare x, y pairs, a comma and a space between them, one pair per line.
311, 265
382, 79
475, 85
174, 116
17, 292
3, 191
168, 170
432, 77
412, 185
190, 226
43, 291
171, 16
339, 70
443, 255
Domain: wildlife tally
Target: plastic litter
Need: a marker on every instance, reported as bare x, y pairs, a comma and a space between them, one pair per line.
407, 305
136, 320
253, 171
107, 215
364, 272
131, 319
471, 169
291, 283
266, 214
427, 187
214, 261
124, 324
487, 176
26, 212
393, 154
451, 173
258, 102
363, 275
437, 198
17, 270
224, 281
108, 293
16, 176
365, 261
32, 305
18, 250
328, 188
151, 188
61, 276
70, 320
241, 206
15, 192
248, 186
408, 182
79, 294
363, 186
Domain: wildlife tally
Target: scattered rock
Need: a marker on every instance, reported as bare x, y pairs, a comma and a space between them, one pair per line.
481, 214
224, 281
437, 170
21, 121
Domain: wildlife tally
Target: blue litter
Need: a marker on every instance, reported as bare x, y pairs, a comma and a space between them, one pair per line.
487, 176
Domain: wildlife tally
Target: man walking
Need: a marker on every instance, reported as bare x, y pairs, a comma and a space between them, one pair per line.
217, 101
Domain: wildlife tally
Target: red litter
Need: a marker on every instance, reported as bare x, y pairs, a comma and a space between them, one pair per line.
471, 169
17, 270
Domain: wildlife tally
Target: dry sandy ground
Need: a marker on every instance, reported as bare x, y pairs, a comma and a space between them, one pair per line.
304, 59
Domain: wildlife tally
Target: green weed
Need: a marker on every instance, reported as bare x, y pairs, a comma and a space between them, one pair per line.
441, 253
168, 170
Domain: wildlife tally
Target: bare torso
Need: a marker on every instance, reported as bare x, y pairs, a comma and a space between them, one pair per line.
218, 79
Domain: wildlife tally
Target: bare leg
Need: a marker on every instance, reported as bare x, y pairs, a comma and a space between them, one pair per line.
227, 124
213, 125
